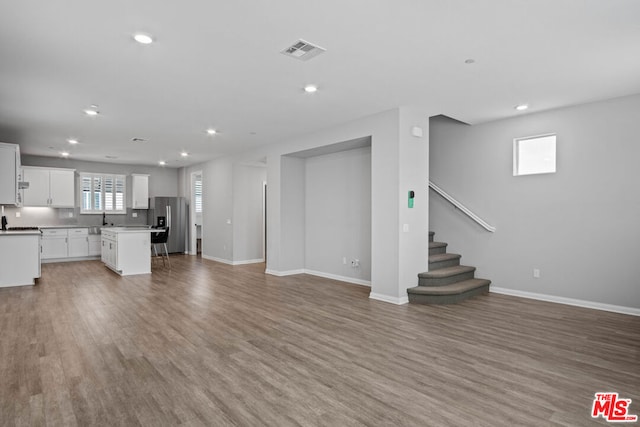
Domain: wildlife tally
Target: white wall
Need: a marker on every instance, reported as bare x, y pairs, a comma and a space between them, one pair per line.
395, 260
247, 212
399, 162
217, 198
338, 213
579, 226
292, 195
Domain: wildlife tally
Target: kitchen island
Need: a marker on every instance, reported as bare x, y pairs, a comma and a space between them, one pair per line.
127, 250
19, 257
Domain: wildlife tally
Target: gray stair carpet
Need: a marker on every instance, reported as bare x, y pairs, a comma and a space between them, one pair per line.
447, 281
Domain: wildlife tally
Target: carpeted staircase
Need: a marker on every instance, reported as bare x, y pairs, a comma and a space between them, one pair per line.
447, 281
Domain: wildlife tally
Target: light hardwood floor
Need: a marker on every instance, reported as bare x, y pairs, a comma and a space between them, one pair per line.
211, 344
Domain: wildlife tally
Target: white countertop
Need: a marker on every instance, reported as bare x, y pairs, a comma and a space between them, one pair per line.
65, 226
95, 226
18, 232
133, 230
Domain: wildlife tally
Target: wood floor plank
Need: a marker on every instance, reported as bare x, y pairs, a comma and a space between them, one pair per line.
205, 343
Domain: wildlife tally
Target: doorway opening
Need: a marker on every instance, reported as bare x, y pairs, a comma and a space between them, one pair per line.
197, 212
264, 222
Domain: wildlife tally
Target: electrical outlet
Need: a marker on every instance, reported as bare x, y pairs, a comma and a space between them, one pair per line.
536, 273
134, 214
344, 260
70, 214
18, 214
357, 263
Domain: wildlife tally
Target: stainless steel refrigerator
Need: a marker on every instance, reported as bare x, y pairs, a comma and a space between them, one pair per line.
172, 212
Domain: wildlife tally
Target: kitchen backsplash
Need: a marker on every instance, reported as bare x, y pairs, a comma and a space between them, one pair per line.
39, 217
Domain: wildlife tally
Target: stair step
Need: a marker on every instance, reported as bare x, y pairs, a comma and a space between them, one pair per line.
448, 294
431, 234
446, 276
437, 248
439, 261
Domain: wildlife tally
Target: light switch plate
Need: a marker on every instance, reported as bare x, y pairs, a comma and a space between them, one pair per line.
405, 228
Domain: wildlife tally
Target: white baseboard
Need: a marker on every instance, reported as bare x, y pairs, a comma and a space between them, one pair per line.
212, 258
84, 258
284, 273
387, 298
248, 261
229, 262
340, 278
568, 301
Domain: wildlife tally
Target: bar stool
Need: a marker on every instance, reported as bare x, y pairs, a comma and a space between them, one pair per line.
160, 238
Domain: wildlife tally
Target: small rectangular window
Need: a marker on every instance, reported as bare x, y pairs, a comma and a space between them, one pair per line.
534, 155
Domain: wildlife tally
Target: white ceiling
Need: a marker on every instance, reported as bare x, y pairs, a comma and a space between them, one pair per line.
217, 64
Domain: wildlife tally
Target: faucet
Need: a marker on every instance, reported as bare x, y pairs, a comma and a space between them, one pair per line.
104, 218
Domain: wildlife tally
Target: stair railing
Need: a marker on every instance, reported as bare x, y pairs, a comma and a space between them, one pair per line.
461, 207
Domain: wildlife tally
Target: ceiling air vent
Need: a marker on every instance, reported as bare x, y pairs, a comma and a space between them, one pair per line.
303, 50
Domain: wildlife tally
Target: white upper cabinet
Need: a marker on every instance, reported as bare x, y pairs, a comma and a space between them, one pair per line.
49, 187
38, 192
9, 171
62, 188
140, 191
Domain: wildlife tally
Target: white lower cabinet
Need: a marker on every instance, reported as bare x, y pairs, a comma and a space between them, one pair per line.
78, 242
109, 254
94, 245
61, 244
127, 251
54, 244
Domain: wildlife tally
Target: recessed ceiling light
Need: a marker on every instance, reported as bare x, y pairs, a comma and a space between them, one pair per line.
72, 141
212, 131
184, 154
521, 107
143, 38
162, 163
92, 111
311, 88
64, 154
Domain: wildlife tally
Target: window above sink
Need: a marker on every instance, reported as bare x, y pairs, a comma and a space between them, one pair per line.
103, 193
